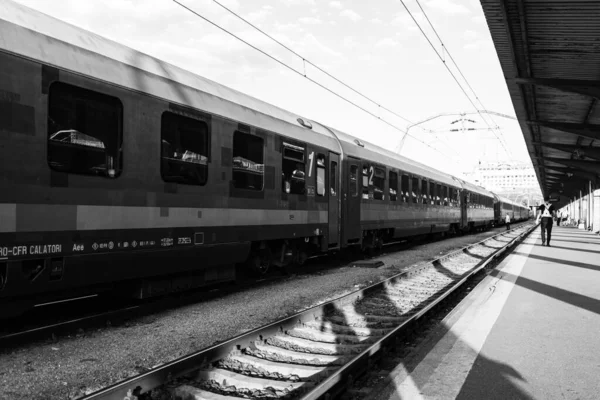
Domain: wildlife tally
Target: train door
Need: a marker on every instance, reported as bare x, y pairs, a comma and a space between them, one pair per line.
352, 196
464, 201
334, 201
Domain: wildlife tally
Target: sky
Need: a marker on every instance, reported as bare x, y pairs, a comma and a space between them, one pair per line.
374, 47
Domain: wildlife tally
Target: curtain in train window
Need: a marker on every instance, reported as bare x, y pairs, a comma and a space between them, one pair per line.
84, 131
353, 180
333, 181
293, 168
184, 149
446, 195
320, 175
416, 193
405, 188
248, 161
393, 186
379, 184
424, 191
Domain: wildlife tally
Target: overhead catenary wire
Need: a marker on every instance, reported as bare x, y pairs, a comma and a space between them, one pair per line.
448, 68
305, 76
307, 61
458, 68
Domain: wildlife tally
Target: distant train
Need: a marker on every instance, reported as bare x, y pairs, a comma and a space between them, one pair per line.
120, 171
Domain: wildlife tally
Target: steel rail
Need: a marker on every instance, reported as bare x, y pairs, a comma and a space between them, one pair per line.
162, 374
360, 363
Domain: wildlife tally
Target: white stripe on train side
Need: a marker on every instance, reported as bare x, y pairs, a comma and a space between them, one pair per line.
90, 217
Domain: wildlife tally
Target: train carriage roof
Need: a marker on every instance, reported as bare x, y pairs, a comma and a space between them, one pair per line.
34, 35
475, 189
371, 152
507, 201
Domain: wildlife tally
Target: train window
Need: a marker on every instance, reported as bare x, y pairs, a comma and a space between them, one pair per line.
405, 190
424, 191
379, 184
84, 131
248, 165
365, 182
438, 194
333, 179
415, 190
293, 169
353, 180
184, 149
393, 186
445, 195
320, 175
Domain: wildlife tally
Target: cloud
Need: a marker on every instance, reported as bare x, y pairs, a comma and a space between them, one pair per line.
310, 20
479, 19
258, 16
386, 42
448, 6
376, 21
335, 4
349, 42
470, 35
311, 42
299, 2
352, 15
405, 20
476, 45
291, 28
476, 4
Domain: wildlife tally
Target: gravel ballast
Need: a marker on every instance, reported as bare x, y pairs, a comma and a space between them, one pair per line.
72, 366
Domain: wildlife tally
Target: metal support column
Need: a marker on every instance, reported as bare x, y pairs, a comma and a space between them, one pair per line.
590, 207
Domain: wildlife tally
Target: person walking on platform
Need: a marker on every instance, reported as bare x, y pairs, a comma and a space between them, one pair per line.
558, 217
507, 220
546, 212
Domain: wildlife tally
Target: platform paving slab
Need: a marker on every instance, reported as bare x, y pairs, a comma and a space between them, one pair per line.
530, 330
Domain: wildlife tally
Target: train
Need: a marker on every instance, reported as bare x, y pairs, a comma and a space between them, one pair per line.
121, 172
516, 211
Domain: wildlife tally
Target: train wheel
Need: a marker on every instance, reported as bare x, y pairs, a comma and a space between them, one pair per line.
260, 261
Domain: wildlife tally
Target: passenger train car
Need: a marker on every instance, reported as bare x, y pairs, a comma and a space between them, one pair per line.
503, 206
122, 171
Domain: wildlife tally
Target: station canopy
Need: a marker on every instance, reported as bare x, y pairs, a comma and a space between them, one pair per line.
549, 51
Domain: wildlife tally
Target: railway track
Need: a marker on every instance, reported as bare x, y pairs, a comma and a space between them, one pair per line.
98, 312
319, 352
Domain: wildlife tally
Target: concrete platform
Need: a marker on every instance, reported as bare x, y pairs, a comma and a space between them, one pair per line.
530, 330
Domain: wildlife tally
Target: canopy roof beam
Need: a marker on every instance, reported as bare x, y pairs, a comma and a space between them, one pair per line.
584, 87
